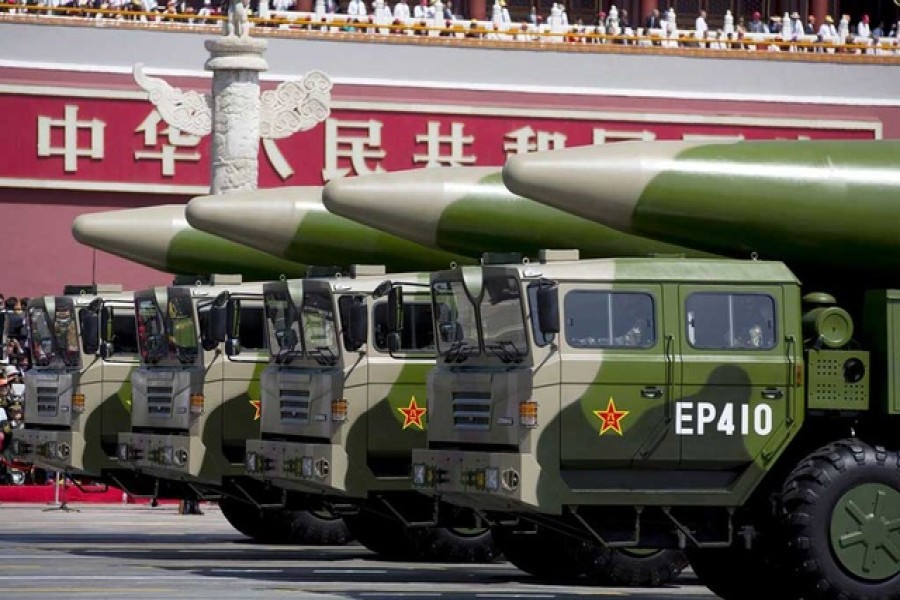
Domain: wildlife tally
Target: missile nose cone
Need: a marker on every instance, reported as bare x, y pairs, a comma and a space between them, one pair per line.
130, 233
405, 203
601, 183
241, 217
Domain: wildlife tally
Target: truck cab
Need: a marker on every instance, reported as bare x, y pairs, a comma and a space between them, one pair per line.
343, 406
78, 391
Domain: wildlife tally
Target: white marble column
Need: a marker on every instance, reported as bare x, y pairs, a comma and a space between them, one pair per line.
236, 63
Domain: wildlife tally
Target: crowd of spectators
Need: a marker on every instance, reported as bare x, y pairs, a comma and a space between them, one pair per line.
436, 17
14, 362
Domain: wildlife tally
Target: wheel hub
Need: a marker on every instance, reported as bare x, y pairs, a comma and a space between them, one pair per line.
865, 531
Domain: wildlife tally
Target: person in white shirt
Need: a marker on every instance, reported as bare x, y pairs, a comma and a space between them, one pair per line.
701, 29
401, 11
828, 34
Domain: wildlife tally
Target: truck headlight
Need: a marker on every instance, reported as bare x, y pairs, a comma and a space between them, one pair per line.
306, 466
122, 452
250, 462
492, 479
168, 455
63, 450
418, 475
181, 456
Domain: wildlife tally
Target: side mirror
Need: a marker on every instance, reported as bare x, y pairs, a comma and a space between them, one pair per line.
395, 310
90, 331
105, 323
357, 324
232, 347
393, 342
106, 350
383, 288
217, 331
548, 308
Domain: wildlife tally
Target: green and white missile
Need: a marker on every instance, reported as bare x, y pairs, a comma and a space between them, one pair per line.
292, 223
468, 210
820, 206
160, 237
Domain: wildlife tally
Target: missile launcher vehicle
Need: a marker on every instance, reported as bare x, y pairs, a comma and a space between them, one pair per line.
711, 406
343, 406
196, 400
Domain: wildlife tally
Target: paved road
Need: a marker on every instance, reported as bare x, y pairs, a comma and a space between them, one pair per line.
138, 552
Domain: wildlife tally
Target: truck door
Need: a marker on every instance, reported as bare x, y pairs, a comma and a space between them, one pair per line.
115, 408
736, 374
616, 378
397, 416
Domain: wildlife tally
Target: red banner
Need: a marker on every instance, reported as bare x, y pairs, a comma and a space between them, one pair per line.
117, 143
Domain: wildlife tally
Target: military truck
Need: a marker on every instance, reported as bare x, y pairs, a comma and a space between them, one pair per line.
78, 392
343, 405
707, 405
196, 401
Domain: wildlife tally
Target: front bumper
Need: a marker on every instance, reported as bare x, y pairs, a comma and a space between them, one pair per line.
176, 457
55, 450
494, 481
314, 468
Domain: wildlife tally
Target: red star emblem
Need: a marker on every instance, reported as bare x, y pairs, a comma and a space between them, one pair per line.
412, 414
612, 418
257, 404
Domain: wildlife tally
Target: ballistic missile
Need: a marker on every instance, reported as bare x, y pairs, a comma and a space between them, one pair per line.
292, 223
468, 210
822, 207
160, 237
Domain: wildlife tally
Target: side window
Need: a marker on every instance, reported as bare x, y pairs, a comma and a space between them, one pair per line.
721, 320
124, 331
418, 329
540, 339
344, 305
603, 319
252, 328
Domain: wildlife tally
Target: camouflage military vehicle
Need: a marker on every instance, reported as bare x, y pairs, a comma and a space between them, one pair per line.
704, 405
196, 402
343, 405
78, 392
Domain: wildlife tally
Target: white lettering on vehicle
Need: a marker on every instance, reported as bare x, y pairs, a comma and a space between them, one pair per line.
701, 418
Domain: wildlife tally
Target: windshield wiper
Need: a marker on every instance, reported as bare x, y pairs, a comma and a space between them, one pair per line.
458, 352
323, 355
506, 351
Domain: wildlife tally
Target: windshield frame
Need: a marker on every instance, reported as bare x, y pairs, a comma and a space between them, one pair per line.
302, 300
477, 293
47, 351
176, 345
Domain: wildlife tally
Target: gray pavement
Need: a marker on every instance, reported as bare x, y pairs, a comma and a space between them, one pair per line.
134, 551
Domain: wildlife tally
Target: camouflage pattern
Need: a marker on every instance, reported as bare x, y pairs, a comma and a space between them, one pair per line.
820, 206
197, 446
468, 210
293, 224
60, 434
608, 416
303, 445
160, 237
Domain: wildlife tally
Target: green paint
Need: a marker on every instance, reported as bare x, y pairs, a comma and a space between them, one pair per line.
124, 392
492, 219
326, 239
865, 531
195, 252
754, 196
410, 383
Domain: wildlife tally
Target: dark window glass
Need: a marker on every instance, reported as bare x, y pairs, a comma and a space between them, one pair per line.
124, 331
251, 329
602, 319
718, 321
540, 339
418, 329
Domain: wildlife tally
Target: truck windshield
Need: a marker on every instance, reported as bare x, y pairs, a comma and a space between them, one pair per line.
495, 325
168, 336
305, 333
54, 338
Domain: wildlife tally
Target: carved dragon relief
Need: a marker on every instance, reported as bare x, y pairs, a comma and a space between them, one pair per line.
291, 107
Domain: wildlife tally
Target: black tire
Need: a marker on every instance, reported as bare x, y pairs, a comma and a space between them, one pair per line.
283, 526
542, 552
739, 574
388, 538
447, 544
846, 491
625, 568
